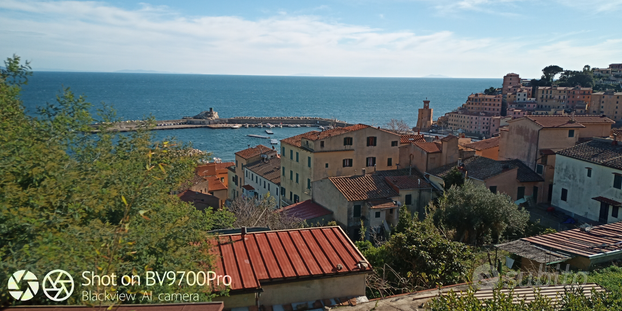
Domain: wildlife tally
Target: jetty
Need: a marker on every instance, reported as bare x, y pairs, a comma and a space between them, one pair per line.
210, 119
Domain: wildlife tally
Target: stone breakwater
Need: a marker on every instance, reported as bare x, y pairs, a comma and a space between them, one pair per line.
127, 126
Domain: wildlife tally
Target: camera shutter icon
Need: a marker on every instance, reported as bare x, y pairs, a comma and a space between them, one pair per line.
23, 285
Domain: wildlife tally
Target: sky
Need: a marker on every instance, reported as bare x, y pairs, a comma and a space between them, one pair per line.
359, 38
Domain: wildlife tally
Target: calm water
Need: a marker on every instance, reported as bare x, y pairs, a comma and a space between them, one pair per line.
372, 101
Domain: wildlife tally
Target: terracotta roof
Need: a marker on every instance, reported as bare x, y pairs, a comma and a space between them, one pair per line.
407, 182
270, 169
305, 210
597, 151
484, 144
361, 188
256, 259
254, 151
565, 121
248, 187
214, 184
429, 147
195, 306
598, 241
212, 169
381, 204
316, 135
405, 139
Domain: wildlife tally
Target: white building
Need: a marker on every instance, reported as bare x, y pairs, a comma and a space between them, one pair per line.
264, 176
588, 180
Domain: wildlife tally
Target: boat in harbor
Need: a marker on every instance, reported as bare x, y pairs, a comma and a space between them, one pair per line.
258, 136
274, 141
269, 132
236, 126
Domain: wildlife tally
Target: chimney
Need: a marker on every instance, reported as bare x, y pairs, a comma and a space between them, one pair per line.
363, 170
243, 230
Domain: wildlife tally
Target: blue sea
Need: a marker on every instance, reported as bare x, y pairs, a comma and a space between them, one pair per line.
373, 101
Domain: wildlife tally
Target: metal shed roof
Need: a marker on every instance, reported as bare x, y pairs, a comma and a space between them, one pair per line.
254, 259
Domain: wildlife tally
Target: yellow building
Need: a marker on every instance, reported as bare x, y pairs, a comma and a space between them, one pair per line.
242, 158
316, 155
607, 103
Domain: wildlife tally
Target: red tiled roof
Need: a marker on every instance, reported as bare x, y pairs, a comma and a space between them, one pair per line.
254, 151
256, 259
212, 169
200, 200
316, 135
429, 147
599, 240
214, 184
565, 121
196, 306
305, 210
407, 182
405, 139
484, 144
248, 187
361, 188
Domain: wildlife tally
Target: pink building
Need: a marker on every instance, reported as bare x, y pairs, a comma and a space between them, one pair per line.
484, 103
484, 123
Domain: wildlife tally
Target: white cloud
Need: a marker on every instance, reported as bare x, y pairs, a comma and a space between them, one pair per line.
98, 37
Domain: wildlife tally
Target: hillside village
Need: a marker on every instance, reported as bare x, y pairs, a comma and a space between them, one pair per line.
553, 150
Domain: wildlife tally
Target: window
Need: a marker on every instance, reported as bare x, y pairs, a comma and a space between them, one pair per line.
326, 165
564, 194
521, 193
493, 189
377, 215
589, 171
283, 191
371, 161
539, 168
246, 174
296, 177
347, 141
409, 199
291, 175
371, 141
570, 133
308, 183
291, 154
296, 156
617, 181
347, 162
283, 171
322, 144
357, 211
614, 211
389, 162
394, 143
269, 188
291, 195
309, 161
283, 150
296, 198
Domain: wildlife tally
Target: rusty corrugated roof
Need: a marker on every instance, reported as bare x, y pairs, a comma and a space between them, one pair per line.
256, 259
305, 210
598, 240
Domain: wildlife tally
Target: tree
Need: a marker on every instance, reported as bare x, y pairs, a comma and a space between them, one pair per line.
490, 91
398, 126
479, 216
583, 78
549, 73
251, 212
454, 177
100, 202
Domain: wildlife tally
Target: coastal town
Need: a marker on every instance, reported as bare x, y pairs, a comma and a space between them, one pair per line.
552, 151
